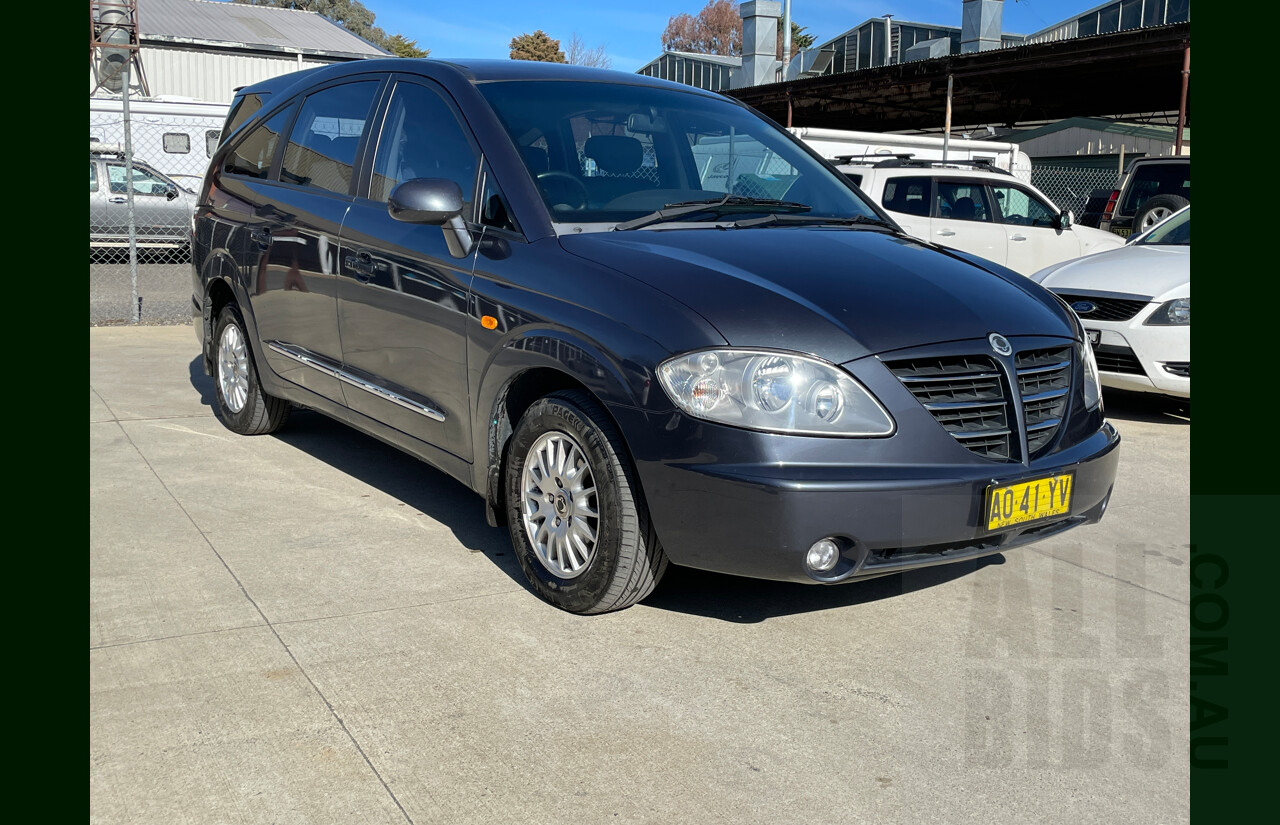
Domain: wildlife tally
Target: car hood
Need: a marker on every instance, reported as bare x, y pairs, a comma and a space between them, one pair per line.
1143, 269
834, 292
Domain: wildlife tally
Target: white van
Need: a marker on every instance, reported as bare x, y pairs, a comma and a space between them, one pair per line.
173, 135
844, 147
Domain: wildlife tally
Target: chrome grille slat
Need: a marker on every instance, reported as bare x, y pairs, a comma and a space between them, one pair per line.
970, 398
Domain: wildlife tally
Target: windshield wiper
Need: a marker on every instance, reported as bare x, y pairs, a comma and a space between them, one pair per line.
836, 220
729, 203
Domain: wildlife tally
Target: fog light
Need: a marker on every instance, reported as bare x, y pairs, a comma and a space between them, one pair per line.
823, 555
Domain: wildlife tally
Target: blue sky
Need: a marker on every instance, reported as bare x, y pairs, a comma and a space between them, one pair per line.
631, 30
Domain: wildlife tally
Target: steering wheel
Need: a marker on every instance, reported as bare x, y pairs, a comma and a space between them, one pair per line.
572, 195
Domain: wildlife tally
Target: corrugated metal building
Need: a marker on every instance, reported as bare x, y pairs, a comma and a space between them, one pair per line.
203, 50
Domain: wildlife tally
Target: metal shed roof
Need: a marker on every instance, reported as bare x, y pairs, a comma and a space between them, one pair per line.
202, 22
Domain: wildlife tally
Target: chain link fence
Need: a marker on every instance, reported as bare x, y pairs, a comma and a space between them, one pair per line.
169, 157
1069, 187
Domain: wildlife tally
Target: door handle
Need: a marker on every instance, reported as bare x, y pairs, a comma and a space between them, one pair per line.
1017, 237
117, 200
261, 237
361, 264
946, 233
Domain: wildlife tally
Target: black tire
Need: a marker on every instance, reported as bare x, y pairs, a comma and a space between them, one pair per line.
625, 561
1155, 210
249, 410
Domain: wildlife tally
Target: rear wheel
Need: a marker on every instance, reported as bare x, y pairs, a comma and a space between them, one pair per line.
245, 407
577, 518
1157, 209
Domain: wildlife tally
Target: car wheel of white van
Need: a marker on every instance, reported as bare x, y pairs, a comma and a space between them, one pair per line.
244, 406
577, 518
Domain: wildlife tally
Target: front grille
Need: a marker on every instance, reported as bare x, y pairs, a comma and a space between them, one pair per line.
1105, 309
969, 396
1179, 368
966, 396
1115, 358
1044, 377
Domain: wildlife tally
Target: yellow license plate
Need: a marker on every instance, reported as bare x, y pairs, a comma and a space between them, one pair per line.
1029, 500
1124, 233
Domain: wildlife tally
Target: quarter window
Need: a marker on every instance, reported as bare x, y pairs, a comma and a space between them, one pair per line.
252, 157
422, 139
322, 146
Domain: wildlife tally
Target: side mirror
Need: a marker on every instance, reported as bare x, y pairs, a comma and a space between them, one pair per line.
434, 202
171, 191
1066, 219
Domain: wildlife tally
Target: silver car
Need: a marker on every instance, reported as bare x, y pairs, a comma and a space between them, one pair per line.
162, 208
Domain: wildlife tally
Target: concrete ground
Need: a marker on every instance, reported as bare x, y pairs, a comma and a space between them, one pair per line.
314, 628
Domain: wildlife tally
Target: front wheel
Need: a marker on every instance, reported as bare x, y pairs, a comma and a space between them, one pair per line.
577, 518
245, 406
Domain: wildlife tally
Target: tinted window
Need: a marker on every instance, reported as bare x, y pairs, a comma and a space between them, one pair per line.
907, 195
963, 201
1151, 179
322, 146
1021, 208
252, 156
422, 139
242, 108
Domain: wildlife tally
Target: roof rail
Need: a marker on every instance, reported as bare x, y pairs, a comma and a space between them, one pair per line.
985, 164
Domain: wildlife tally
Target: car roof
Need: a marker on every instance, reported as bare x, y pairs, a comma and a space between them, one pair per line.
473, 71
926, 171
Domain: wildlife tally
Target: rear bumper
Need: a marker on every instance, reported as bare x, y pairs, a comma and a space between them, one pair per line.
759, 519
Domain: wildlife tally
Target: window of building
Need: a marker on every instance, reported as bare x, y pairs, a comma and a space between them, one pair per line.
252, 156
1088, 25
1130, 14
1177, 11
864, 47
1153, 12
176, 143
322, 145
422, 139
1109, 19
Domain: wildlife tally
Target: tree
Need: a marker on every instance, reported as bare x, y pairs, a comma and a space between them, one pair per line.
717, 29
354, 16
799, 40
401, 46
537, 46
578, 54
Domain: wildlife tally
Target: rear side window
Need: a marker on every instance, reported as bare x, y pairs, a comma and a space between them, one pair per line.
321, 152
252, 157
909, 196
963, 201
1151, 179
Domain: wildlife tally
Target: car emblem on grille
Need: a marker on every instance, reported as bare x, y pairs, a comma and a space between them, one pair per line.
1084, 307
1000, 344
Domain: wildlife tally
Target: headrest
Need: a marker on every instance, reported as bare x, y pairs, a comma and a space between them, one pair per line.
618, 154
535, 157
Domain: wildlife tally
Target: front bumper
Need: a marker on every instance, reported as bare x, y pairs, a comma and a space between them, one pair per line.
1141, 358
759, 518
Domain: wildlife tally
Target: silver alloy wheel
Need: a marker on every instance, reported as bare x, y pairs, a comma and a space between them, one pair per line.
1155, 216
559, 504
233, 368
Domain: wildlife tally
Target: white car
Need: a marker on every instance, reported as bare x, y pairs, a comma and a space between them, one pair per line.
981, 210
1135, 303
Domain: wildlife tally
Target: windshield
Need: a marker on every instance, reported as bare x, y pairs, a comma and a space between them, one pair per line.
610, 153
1176, 231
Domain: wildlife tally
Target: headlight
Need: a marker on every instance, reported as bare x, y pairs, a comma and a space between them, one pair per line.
1171, 313
774, 392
